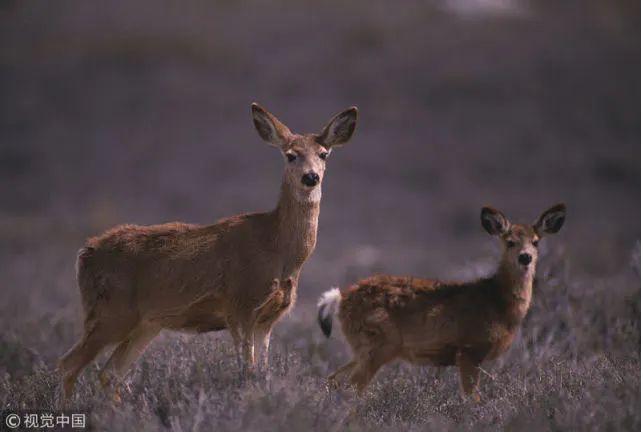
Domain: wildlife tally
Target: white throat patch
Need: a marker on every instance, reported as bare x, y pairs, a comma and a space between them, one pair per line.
309, 196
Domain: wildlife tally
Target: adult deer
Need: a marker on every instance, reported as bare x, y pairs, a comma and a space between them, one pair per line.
239, 274
441, 324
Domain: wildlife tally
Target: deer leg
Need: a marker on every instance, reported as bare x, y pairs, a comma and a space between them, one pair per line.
79, 356
248, 348
264, 319
366, 369
469, 374
125, 354
361, 376
343, 369
243, 345
235, 335
262, 338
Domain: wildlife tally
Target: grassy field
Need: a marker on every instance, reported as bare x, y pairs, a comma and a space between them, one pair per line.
139, 113
575, 365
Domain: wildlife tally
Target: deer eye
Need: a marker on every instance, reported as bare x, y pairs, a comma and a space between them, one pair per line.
323, 155
291, 157
535, 243
510, 243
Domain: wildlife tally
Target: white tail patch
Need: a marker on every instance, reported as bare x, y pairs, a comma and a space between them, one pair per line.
327, 308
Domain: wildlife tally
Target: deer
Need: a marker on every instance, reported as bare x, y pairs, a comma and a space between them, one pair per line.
238, 274
435, 323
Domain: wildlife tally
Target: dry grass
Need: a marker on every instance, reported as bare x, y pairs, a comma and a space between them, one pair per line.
576, 365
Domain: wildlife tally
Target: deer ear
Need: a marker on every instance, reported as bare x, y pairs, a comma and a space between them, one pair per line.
269, 127
551, 220
494, 222
339, 129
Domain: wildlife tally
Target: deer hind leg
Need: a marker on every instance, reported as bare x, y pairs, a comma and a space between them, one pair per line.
343, 369
469, 374
376, 344
366, 367
130, 349
79, 356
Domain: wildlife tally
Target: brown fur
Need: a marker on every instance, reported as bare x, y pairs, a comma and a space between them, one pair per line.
428, 322
240, 273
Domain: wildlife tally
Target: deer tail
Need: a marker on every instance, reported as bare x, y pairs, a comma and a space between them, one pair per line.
327, 308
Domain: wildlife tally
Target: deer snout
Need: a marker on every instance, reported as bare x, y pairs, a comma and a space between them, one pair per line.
525, 259
310, 179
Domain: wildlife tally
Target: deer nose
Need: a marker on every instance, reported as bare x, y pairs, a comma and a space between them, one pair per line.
310, 179
525, 259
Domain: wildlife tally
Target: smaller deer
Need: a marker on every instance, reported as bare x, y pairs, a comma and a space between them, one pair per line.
428, 322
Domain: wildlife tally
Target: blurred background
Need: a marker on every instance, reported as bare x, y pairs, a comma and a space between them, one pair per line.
138, 112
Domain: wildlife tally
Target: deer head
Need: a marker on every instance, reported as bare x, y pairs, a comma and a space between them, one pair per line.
305, 155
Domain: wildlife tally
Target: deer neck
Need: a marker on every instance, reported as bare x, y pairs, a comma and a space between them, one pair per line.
515, 287
297, 224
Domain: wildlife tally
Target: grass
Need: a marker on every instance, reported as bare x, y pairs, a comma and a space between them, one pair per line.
575, 365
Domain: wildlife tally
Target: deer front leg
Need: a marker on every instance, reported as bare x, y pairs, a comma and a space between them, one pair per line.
237, 340
244, 348
262, 338
247, 347
280, 298
248, 350
469, 374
